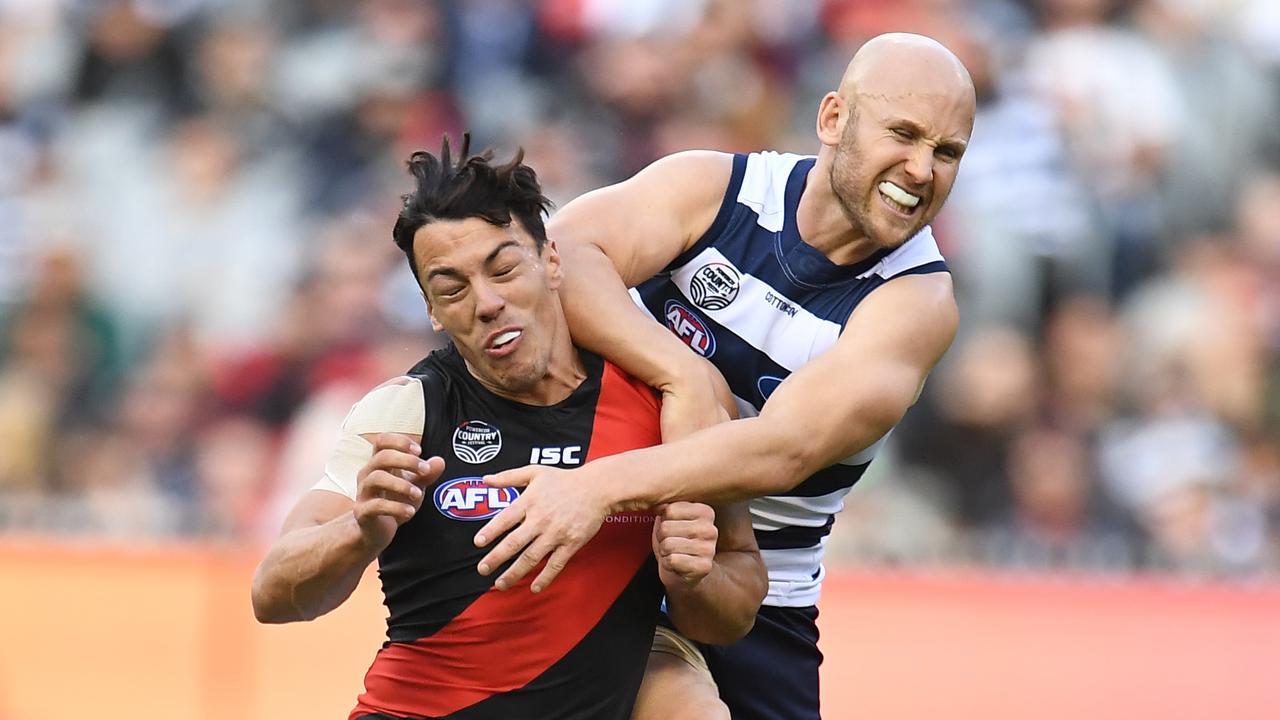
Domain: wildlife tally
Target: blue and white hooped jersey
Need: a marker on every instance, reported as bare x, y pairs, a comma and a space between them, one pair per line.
758, 302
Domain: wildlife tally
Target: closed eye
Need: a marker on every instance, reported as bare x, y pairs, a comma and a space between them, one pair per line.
948, 153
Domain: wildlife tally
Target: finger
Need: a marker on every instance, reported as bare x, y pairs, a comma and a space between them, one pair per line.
688, 511
381, 483
556, 563
688, 567
433, 467
512, 544
427, 472
402, 512
524, 564
396, 441
686, 546
511, 516
517, 478
700, 529
398, 460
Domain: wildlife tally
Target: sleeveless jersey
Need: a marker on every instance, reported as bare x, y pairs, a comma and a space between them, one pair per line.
458, 648
758, 302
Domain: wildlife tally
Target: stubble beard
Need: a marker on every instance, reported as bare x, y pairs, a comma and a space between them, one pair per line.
843, 175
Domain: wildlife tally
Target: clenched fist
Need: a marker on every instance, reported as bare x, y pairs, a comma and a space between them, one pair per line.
390, 487
684, 541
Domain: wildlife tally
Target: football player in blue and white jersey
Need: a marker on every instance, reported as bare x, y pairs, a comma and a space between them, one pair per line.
813, 284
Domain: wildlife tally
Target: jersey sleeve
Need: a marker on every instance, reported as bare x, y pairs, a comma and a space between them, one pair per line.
395, 406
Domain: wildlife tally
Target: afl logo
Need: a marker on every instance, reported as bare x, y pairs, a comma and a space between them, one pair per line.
714, 286
469, 498
689, 328
476, 442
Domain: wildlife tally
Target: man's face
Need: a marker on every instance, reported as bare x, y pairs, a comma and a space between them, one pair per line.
494, 293
897, 160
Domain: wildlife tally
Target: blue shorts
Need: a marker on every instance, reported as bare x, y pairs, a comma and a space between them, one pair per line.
772, 673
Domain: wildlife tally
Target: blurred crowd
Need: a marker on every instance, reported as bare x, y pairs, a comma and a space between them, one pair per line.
197, 277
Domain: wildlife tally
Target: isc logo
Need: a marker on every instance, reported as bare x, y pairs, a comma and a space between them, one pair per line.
469, 498
689, 328
571, 455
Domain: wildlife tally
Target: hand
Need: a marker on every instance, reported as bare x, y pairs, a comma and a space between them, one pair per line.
684, 541
390, 487
697, 399
556, 515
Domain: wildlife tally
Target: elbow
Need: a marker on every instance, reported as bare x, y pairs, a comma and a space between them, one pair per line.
735, 613
736, 627
269, 606
727, 630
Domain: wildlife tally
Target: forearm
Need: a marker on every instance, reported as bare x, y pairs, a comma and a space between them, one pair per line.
724, 463
739, 460
721, 608
310, 571
603, 319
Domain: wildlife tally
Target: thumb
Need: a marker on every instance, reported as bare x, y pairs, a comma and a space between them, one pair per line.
519, 477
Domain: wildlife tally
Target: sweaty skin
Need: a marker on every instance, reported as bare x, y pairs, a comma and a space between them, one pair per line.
902, 115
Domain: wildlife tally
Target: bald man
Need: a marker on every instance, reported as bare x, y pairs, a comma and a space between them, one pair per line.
814, 286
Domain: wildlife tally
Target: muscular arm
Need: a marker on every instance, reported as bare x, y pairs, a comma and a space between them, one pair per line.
721, 607
836, 405
619, 236
316, 563
329, 539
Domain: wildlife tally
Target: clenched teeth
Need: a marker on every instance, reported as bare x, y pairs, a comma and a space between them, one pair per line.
505, 338
898, 195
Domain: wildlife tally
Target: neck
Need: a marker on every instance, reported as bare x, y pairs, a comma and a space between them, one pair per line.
565, 371
821, 220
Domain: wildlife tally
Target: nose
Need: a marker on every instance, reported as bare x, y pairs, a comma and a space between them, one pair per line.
919, 166
489, 303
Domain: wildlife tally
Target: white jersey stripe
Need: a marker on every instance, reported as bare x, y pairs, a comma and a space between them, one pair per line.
795, 575
775, 512
790, 344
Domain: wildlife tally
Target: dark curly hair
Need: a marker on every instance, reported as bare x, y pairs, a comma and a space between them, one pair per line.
472, 188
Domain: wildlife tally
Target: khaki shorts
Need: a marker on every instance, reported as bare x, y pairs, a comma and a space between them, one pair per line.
670, 642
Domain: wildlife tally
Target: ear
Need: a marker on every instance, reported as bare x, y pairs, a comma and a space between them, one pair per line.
833, 113
555, 270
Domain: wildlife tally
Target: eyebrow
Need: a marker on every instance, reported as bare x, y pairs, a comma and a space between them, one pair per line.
954, 144
453, 273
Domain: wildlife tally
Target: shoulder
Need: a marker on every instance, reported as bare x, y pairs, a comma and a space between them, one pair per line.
923, 306
705, 165
396, 405
688, 178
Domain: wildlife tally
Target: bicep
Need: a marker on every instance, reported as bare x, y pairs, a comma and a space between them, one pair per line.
645, 222
847, 398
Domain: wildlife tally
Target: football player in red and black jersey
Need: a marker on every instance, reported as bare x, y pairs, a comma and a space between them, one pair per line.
404, 485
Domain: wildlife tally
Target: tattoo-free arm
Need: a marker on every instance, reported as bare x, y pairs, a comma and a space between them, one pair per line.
618, 237
836, 405
316, 563
329, 539
721, 608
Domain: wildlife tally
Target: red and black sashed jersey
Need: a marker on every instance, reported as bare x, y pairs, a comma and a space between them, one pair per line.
456, 647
